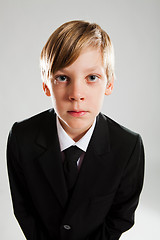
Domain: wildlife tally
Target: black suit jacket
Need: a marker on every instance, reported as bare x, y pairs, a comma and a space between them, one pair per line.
107, 189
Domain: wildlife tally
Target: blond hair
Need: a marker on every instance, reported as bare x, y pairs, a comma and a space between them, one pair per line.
66, 42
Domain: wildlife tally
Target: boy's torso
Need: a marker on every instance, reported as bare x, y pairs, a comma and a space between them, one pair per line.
110, 147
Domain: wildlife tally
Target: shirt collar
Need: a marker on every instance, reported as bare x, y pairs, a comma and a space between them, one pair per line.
66, 141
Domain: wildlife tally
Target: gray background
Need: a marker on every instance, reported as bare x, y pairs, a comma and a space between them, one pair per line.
134, 29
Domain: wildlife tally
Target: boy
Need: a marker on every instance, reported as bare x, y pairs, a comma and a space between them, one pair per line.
91, 197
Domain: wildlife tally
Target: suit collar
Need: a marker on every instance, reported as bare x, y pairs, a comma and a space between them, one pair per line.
100, 139
47, 130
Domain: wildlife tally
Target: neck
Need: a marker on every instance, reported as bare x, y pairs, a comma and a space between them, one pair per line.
77, 137
75, 134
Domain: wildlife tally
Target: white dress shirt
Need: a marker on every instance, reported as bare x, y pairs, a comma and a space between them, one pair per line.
66, 141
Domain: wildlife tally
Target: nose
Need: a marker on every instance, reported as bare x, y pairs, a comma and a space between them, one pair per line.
76, 92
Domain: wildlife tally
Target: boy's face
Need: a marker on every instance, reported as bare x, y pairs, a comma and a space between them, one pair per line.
77, 92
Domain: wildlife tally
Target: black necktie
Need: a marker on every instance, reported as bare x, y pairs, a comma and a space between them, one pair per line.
72, 154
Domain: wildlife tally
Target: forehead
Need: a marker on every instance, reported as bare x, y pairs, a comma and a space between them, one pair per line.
89, 58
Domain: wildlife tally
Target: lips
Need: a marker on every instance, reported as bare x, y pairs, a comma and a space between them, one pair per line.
77, 113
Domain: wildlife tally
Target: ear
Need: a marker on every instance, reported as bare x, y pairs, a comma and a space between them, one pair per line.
46, 90
109, 87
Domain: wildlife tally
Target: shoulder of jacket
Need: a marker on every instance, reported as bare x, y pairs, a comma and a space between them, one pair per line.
119, 131
34, 122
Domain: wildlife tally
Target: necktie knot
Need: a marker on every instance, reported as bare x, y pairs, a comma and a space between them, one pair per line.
72, 153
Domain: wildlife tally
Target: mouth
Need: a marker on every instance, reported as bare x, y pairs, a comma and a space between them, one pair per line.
77, 113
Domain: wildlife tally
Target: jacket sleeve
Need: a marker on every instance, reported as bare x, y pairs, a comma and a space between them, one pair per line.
121, 215
20, 196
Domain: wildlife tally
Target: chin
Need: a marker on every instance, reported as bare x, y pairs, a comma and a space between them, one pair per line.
78, 125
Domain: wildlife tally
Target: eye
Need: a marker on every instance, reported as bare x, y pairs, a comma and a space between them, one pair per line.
61, 78
92, 78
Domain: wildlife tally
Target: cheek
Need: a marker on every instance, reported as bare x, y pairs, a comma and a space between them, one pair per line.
98, 96
55, 100
57, 95
59, 102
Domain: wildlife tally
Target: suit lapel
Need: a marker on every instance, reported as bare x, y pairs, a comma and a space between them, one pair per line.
93, 163
50, 160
